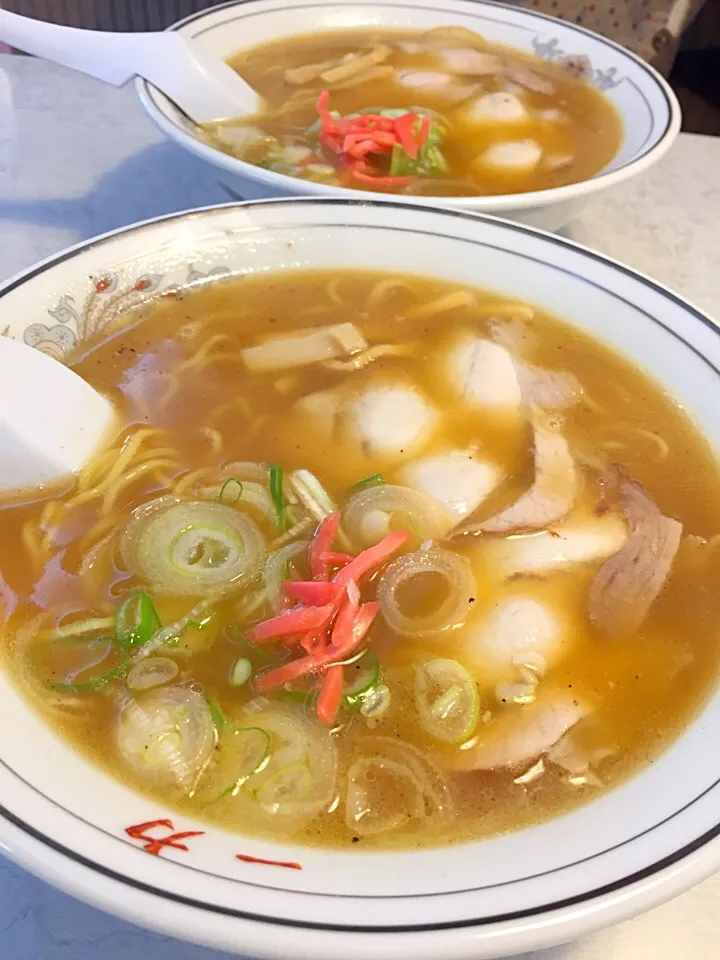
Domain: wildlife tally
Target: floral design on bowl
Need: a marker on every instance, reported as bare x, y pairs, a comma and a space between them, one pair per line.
579, 64
111, 298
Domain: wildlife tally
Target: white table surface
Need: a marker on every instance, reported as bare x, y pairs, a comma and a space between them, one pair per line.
77, 159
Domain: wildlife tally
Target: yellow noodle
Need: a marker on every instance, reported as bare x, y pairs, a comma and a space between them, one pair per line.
87, 476
96, 564
234, 404
121, 462
129, 448
164, 479
366, 357
315, 311
215, 438
53, 509
48, 541
34, 544
24, 636
245, 470
236, 357
89, 565
199, 355
171, 390
155, 453
94, 535
116, 460
84, 497
287, 383
332, 292
130, 477
384, 289
186, 482
49, 510
504, 309
443, 304
661, 446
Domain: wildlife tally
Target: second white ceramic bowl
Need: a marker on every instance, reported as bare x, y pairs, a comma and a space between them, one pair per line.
649, 110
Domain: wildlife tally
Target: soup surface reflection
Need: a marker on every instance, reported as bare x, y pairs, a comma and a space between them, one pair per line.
373, 559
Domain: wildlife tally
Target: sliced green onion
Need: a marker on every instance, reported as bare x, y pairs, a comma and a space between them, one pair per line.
364, 676
236, 636
382, 795
167, 735
194, 548
429, 162
279, 568
95, 683
312, 494
250, 651
171, 635
301, 528
371, 512
241, 672
241, 752
376, 701
276, 492
248, 606
447, 699
152, 672
136, 620
291, 784
372, 481
201, 624
280, 796
391, 112
218, 717
452, 610
230, 491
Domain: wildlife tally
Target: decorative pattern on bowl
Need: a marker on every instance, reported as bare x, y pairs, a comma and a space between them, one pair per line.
110, 299
550, 50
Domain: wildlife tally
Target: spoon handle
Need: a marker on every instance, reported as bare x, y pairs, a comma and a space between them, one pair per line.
106, 56
201, 84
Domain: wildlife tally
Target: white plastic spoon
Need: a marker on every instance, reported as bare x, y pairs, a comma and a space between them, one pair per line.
51, 421
201, 84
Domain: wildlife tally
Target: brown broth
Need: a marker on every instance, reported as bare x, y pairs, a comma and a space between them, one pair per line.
644, 690
587, 132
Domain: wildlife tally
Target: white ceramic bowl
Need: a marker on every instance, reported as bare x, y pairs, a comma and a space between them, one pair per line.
648, 107
630, 849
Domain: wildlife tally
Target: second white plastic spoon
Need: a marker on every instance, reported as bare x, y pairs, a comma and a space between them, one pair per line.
201, 84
